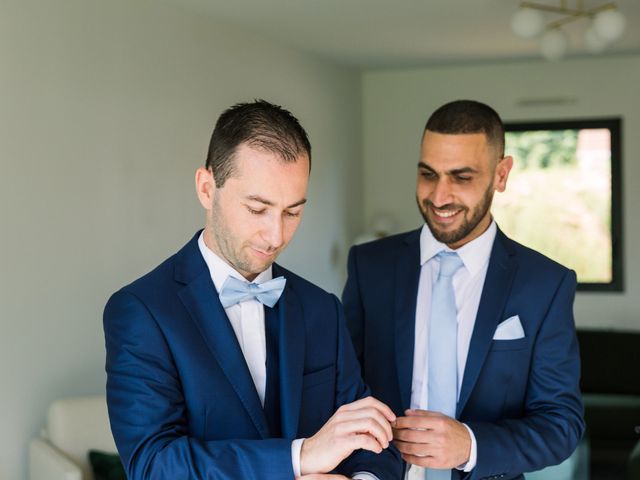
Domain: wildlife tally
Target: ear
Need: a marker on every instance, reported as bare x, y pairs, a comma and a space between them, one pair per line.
205, 187
502, 173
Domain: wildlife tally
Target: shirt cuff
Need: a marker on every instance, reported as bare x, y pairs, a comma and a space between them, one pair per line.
473, 454
364, 476
296, 447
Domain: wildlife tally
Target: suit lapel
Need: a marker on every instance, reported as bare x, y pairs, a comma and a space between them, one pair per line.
201, 300
291, 352
495, 291
407, 276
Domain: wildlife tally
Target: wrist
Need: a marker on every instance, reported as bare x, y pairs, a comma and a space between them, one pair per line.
305, 463
470, 464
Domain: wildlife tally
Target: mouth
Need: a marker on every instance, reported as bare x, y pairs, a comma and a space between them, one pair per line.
263, 253
445, 215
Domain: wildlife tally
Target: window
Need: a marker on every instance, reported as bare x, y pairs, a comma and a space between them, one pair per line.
564, 196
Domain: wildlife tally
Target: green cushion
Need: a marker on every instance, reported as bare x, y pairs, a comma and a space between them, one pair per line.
106, 466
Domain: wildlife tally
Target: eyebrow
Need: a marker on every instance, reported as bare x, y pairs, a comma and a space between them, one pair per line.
264, 201
455, 171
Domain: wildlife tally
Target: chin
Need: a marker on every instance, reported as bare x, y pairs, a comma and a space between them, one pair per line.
446, 236
260, 267
439, 230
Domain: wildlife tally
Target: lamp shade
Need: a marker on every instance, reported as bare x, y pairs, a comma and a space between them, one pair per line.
609, 25
527, 23
553, 44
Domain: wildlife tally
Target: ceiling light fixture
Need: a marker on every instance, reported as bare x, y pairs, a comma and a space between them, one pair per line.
606, 25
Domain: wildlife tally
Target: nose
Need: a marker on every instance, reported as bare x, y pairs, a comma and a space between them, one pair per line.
441, 194
273, 232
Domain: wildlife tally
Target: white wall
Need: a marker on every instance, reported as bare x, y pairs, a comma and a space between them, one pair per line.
397, 103
106, 108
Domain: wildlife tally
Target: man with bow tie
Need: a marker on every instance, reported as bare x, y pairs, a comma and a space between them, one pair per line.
222, 364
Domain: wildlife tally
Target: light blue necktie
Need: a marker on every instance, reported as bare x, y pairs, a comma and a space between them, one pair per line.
443, 340
235, 291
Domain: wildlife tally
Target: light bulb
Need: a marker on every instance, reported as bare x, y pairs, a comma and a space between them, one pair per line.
609, 25
527, 23
553, 44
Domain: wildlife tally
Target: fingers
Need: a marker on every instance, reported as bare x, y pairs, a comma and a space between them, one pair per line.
422, 419
372, 403
433, 440
363, 424
353, 423
428, 462
417, 449
421, 454
364, 441
322, 476
416, 412
412, 435
368, 413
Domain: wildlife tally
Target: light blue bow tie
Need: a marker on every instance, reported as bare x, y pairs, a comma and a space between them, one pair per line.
236, 291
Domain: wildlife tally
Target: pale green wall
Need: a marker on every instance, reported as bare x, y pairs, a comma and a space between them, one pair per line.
106, 108
397, 103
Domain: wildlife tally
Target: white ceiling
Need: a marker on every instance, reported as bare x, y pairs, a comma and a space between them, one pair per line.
403, 33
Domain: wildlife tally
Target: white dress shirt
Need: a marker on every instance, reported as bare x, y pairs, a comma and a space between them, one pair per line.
467, 285
247, 320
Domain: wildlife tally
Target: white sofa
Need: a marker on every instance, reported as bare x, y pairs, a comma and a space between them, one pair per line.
73, 427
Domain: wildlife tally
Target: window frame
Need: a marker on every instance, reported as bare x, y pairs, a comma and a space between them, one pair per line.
614, 125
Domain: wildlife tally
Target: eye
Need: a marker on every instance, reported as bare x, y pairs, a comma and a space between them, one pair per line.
427, 174
255, 212
292, 214
463, 178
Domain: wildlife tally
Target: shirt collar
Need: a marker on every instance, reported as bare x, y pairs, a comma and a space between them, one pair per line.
474, 254
220, 270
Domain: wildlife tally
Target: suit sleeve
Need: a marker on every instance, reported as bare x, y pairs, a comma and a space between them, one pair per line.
148, 414
552, 424
354, 312
349, 387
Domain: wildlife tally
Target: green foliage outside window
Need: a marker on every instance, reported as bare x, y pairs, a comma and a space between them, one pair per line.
558, 201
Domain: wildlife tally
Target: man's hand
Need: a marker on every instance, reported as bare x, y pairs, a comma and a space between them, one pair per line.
431, 439
362, 424
322, 476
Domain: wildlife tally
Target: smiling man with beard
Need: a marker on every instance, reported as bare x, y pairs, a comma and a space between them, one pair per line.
467, 335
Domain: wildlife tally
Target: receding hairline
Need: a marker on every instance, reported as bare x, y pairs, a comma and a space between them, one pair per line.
278, 157
258, 146
260, 125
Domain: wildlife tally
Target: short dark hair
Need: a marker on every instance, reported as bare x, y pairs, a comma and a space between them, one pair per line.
468, 116
259, 124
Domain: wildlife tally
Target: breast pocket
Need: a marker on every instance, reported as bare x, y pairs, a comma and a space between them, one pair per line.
324, 375
517, 344
318, 400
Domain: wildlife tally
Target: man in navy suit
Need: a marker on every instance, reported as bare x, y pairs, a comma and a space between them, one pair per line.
222, 364
512, 358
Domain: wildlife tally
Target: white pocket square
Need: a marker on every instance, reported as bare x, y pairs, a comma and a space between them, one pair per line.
510, 329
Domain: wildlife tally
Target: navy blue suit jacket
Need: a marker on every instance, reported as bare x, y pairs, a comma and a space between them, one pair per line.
181, 400
520, 397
